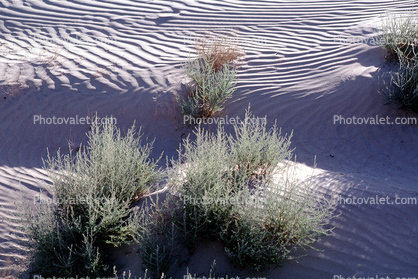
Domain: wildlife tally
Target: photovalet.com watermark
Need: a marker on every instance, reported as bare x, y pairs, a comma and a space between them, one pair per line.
373, 277
375, 40
250, 40
190, 120
76, 120
374, 120
77, 200
220, 277
249, 200
376, 200
75, 39
70, 277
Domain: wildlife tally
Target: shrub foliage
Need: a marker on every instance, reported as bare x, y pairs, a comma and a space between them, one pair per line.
223, 189
212, 77
219, 48
94, 191
208, 90
403, 86
400, 37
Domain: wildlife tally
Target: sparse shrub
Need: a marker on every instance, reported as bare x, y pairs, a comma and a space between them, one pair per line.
201, 178
212, 76
258, 220
274, 220
209, 89
94, 191
157, 238
59, 244
400, 35
256, 150
12, 89
221, 49
403, 86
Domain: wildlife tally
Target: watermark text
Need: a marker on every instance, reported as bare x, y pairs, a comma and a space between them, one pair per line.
371, 277
376, 200
376, 120
40, 120
190, 120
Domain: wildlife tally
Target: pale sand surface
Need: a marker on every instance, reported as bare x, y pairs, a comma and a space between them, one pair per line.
123, 58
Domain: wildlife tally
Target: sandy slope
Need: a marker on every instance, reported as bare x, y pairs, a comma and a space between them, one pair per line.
123, 58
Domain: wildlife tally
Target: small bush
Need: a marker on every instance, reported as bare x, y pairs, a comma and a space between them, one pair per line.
218, 48
212, 76
94, 191
400, 36
157, 239
209, 89
274, 220
256, 150
201, 177
223, 188
59, 244
403, 86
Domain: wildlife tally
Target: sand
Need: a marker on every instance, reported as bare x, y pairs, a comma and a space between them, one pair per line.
305, 63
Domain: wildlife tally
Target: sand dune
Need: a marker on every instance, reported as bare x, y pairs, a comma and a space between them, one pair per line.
123, 58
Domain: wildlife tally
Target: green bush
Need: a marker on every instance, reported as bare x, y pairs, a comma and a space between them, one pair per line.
256, 151
209, 88
60, 245
219, 48
202, 177
400, 35
273, 220
403, 86
94, 191
400, 39
223, 188
157, 238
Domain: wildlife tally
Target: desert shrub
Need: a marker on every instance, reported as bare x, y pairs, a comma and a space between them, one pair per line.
212, 76
208, 90
403, 86
221, 49
60, 245
111, 166
273, 220
157, 238
260, 222
201, 178
400, 39
256, 150
400, 35
94, 191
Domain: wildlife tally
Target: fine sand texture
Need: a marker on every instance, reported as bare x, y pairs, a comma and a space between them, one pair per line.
305, 63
